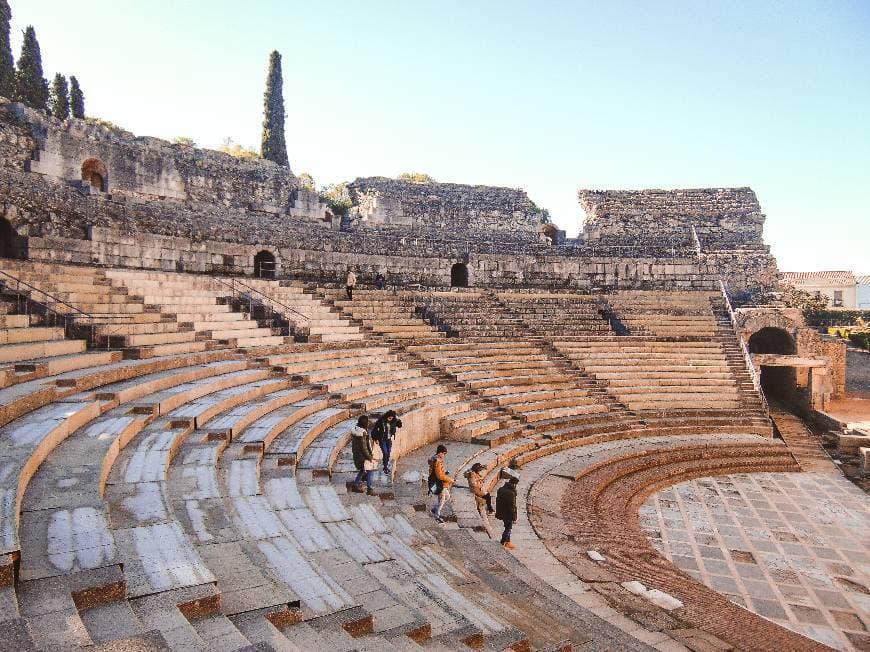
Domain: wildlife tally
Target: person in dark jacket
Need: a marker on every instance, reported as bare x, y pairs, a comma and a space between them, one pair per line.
380, 281
363, 454
506, 506
384, 432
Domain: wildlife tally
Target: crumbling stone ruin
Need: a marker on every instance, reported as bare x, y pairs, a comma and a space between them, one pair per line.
182, 369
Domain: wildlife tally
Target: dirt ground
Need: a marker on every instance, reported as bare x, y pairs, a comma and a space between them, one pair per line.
852, 410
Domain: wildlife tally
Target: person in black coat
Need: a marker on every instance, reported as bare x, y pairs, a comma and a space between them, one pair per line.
363, 455
506, 507
384, 432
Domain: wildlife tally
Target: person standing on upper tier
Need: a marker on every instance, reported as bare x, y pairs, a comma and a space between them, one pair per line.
350, 284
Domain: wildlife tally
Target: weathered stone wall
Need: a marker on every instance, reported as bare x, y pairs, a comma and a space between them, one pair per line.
724, 218
745, 272
447, 208
148, 169
114, 248
858, 373
172, 207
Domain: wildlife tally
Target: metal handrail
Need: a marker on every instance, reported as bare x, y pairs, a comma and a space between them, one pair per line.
250, 290
57, 314
747, 356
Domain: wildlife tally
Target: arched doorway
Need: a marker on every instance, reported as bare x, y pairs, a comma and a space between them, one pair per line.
772, 340
264, 264
9, 240
779, 383
459, 275
94, 173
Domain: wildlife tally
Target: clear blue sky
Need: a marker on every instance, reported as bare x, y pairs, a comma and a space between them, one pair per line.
547, 96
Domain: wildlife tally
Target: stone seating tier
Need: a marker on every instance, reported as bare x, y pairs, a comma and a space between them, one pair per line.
198, 501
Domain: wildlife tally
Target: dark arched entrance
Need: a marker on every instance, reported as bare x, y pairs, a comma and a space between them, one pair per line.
772, 340
264, 264
459, 275
94, 173
778, 382
10, 241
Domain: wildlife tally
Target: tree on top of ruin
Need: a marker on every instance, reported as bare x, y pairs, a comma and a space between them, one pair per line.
416, 177
59, 97
7, 65
76, 98
337, 198
273, 146
31, 88
306, 181
184, 140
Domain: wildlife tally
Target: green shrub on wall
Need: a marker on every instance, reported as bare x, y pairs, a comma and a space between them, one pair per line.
831, 318
861, 340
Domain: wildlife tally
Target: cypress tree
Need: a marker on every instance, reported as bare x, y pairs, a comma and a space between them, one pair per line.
273, 146
76, 98
7, 66
31, 87
59, 97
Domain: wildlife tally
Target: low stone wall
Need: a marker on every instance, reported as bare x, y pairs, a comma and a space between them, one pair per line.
113, 248
857, 372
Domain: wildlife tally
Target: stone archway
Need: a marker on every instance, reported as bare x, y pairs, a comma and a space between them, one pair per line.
95, 174
459, 275
264, 264
772, 339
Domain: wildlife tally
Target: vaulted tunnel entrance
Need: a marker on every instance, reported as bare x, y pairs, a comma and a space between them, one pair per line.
264, 264
459, 275
780, 382
10, 242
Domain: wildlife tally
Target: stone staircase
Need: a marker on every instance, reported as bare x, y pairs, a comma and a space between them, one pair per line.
312, 315
199, 500
386, 314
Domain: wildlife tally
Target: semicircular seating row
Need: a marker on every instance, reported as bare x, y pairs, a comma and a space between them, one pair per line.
192, 500
185, 501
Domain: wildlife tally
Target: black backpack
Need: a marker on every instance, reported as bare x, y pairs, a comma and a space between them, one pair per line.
435, 485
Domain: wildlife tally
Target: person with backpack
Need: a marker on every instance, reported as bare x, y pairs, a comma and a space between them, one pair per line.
363, 455
439, 481
384, 432
506, 506
482, 500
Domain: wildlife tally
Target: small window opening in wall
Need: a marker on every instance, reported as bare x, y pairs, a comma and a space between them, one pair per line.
94, 173
459, 275
838, 298
264, 264
550, 233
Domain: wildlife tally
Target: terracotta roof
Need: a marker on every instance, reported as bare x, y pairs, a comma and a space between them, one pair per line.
864, 279
819, 278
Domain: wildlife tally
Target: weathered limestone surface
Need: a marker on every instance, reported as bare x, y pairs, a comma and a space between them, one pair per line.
448, 207
156, 205
724, 218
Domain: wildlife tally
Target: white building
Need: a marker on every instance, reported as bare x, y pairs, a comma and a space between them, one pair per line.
863, 291
841, 288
